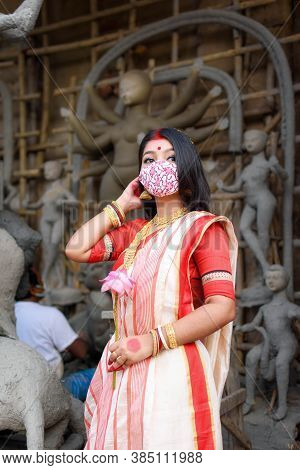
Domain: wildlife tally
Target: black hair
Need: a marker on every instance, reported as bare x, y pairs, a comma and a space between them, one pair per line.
33, 283
193, 189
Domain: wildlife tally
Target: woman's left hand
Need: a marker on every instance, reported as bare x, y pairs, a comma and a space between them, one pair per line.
129, 351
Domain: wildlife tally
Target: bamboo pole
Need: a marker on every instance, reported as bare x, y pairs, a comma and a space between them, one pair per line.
92, 16
94, 29
70, 135
114, 37
174, 49
7, 64
114, 80
44, 130
238, 76
22, 126
1, 185
206, 147
123, 8
132, 27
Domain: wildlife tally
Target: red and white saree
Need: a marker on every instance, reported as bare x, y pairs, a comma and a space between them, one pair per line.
171, 401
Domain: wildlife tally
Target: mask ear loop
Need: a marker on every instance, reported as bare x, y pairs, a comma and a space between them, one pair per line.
145, 195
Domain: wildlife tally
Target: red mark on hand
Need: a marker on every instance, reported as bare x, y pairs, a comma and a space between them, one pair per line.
133, 345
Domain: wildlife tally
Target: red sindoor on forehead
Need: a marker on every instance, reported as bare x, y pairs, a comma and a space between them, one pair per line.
157, 135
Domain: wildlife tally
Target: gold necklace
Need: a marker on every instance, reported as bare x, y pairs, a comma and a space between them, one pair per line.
130, 251
165, 220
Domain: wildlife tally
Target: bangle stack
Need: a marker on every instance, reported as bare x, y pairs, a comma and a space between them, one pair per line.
171, 335
162, 338
159, 340
155, 342
115, 213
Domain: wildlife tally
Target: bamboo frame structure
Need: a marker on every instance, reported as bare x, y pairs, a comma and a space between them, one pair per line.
96, 44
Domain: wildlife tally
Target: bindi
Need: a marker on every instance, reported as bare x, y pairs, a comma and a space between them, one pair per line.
133, 345
158, 148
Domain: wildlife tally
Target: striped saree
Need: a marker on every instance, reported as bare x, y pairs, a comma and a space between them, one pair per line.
171, 401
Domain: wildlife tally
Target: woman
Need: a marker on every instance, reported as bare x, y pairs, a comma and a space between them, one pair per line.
160, 379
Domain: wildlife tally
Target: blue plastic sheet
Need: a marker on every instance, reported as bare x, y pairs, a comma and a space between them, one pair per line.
79, 382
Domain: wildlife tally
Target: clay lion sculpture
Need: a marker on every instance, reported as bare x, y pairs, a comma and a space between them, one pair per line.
32, 398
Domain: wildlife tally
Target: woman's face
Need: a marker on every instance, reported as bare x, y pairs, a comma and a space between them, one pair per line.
160, 149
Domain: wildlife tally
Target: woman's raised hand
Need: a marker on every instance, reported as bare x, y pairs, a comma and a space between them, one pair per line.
129, 199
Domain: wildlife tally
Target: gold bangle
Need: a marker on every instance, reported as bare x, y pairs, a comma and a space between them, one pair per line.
108, 247
112, 216
116, 215
157, 342
171, 335
163, 339
120, 208
154, 352
117, 211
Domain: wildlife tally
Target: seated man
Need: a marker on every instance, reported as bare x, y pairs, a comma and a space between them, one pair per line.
46, 330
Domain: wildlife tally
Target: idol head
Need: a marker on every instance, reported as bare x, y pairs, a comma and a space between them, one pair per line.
52, 170
276, 277
170, 166
135, 87
255, 140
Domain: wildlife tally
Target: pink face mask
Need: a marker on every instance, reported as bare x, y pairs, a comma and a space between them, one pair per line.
160, 178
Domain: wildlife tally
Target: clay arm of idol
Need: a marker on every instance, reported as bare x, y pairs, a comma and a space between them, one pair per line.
99, 105
93, 145
68, 199
185, 97
294, 312
198, 135
277, 168
33, 205
98, 169
233, 188
251, 325
195, 112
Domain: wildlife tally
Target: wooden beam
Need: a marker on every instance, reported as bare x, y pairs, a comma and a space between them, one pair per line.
232, 401
123, 8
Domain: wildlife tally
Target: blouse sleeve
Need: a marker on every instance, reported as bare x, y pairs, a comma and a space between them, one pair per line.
213, 262
109, 247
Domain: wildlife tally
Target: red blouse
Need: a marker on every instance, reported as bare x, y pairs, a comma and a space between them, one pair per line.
210, 269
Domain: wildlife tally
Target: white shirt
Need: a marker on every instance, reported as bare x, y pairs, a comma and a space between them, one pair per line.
44, 328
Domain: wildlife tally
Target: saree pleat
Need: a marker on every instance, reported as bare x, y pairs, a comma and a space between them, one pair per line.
171, 401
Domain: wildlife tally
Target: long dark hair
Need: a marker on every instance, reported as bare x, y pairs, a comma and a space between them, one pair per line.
193, 186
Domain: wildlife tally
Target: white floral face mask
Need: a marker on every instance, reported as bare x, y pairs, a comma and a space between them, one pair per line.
160, 178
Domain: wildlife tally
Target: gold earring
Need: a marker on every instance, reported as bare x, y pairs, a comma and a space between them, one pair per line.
145, 195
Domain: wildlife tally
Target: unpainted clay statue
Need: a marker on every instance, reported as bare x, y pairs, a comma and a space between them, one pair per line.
279, 344
15, 26
28, 240
124, 133
52, 221
259, 203
32, 399
10, 278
